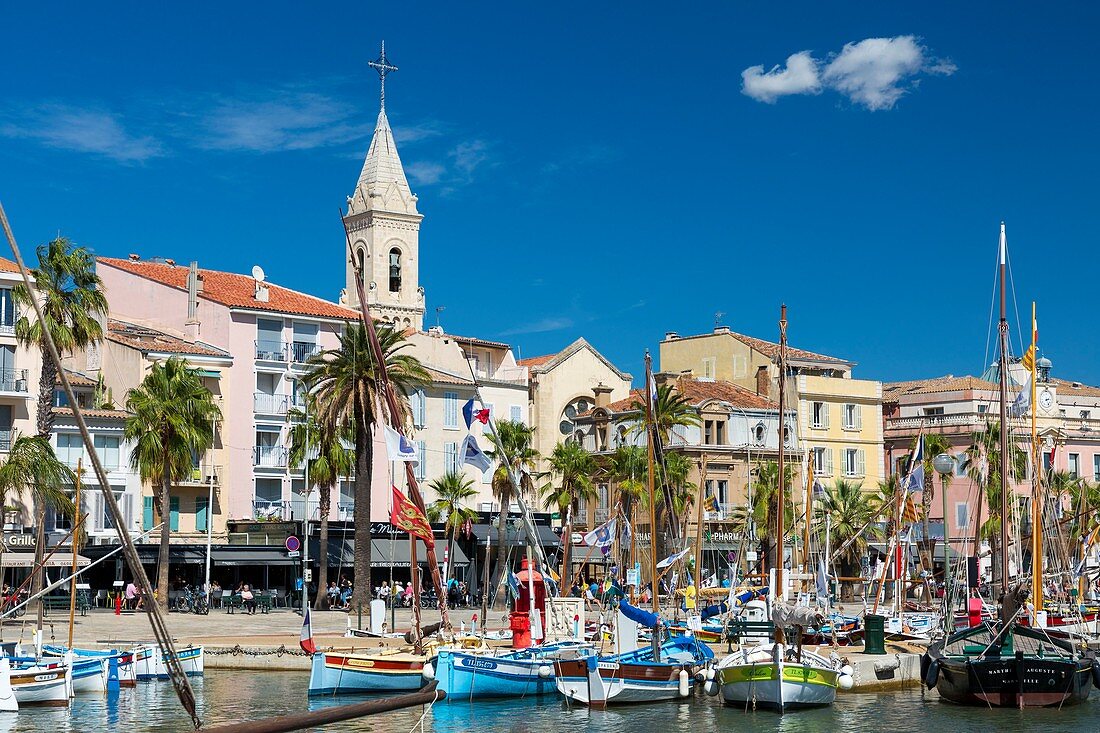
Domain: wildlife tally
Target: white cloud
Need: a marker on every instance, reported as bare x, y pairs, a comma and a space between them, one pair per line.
800, 76
291, 120
417, 132
81, 130
874, 73
469, 155
540, 326
425, 173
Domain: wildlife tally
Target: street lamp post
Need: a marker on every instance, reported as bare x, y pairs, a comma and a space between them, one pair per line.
944, 464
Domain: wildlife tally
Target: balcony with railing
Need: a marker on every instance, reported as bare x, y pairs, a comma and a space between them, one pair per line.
7, 321
270, 456
14, 381
301, 351
270, 404
271, 510
203, 474
602, 514
271, 350
6, 438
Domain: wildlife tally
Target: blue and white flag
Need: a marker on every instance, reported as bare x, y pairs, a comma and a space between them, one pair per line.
626, 533
469, 414
915, 480
668, 561
472, 454
602, 536
1022, 403
822, 580
398, 446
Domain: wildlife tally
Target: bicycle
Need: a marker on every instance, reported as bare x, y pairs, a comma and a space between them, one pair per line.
193, 601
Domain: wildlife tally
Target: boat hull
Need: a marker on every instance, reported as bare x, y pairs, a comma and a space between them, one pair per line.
777, 687
615, 683
151, 664
1016, 682
465, 676
89, 676
334, 673
41, 685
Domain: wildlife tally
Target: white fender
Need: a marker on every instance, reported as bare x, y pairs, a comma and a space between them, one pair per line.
428, 672
846, 682
847, 669
685, 683
545, 671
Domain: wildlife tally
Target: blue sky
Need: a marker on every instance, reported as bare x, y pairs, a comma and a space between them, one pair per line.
584, 169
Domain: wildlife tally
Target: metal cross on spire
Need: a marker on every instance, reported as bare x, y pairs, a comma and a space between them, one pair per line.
383, 66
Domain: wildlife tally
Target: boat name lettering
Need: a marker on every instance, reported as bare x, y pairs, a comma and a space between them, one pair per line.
607, 665
359, 662
478, 663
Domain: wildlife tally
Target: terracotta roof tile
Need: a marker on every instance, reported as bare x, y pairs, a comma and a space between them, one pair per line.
146, 339
700, 391
88, 412
892, 391
771, 350
7, 265
478, 342
77, 379
439, 377
234, 291
1066, 388
534, 361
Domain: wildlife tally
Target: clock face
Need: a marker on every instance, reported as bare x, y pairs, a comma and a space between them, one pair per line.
1046, 400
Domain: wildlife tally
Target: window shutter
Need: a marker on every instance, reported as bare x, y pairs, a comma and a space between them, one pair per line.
824, 414
174, 513
859, 417
201, 513
827, 454
861, 462
517, 413
421, 457
146, 513
450, 409
450, 453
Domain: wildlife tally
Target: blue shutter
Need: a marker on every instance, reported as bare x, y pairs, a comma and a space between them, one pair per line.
147, 513
174, 513
202, 513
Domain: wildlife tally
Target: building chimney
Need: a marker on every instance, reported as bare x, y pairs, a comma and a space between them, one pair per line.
134, 257
603, 394
722, 329
194, 286
671, 335
170, 262
763, 381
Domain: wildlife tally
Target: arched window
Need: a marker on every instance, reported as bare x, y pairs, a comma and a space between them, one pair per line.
395, 270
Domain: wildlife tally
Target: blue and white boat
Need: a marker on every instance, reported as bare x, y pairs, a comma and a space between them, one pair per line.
150, 663
124, 662
466, 675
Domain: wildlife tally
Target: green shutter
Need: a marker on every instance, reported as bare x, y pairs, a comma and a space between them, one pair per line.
174, 513
147, 513
202, 513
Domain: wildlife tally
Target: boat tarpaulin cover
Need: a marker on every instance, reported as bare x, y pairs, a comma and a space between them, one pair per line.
638, 616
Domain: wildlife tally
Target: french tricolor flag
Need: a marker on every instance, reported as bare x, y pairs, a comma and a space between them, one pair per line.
306, 640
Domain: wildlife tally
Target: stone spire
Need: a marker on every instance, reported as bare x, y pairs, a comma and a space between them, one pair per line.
382, 184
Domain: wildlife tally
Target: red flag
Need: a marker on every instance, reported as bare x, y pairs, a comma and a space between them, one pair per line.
306, 640
482, 416
468, 529
407, 517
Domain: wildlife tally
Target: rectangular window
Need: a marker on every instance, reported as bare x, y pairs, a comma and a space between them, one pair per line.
823, 461
202, 513
708, 367
269, 339
106, 446
962, 515
450, 410
305, 340
1074, 465
1096, 467
723, 492
933, 411
516, 413
8, 312
740, 369
147, 522
174, 513
269, 490
819, 415
982, 408
70, 448
485, 506
1086, 414
854, 462
418, 402
450, 457
719, 432
421, 467
853, 417
961, 462
708, 432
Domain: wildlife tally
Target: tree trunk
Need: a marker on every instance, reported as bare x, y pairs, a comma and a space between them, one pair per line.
364, 470
165, 540
566, 549
502, 550
928, 545
37, 577
324, 505
46, 385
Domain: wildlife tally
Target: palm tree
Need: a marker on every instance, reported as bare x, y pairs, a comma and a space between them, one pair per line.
849, 515
984, 468
574, 466
347, 385
172, 419
516, 439
679, 492
766, 505
72, 305
670, 410
33, 468
1085, 506
934, 444
453, 490
627, 469
329, 459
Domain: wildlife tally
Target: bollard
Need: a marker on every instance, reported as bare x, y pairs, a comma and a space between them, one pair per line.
118, 605
113, 682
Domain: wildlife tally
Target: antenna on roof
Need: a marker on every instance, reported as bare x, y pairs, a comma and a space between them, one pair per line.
258, 273
718, 318
439, 309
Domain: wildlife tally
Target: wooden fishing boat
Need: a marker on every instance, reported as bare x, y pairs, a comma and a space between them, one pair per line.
42, 684
775, 677
466, 674
340, 673
150, 663
124, 662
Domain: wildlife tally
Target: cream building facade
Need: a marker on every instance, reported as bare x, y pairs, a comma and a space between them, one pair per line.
839, 418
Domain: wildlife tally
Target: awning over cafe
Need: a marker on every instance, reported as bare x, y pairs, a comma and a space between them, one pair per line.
516, 535
26, 560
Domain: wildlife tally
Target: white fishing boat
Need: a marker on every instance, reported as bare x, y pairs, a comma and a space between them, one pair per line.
776, 677
8, 702
150, 663
42, 684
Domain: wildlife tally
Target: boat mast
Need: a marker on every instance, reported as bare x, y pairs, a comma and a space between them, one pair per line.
807, 566
1036, 490
782, 425
650, 432
699, 525
1002, 373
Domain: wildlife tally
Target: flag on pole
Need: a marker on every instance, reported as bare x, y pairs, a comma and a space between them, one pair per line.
667, 562
469, 414
1022, 403
602, 536
472, 454
407, 516
1028, 359
306, 640
710, 503
822, 579
398, 447
914, 481
909, 513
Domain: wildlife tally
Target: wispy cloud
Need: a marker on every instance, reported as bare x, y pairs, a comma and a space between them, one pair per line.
581, 158
82, 130
467, 156
425, 173
286, 119
417, 132
553, 323
873, 73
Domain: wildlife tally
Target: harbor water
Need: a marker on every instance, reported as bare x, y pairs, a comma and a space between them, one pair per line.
226, 696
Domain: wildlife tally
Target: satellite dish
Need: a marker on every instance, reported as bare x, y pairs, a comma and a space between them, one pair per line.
258, 273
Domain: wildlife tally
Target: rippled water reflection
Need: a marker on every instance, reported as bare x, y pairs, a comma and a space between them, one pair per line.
234, 696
